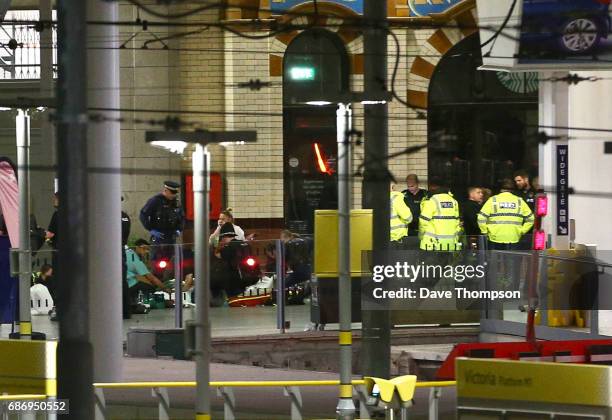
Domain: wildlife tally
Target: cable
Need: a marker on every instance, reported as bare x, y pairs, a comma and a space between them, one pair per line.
175, 15
500, 29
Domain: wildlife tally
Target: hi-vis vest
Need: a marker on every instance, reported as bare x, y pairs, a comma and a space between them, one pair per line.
401, 216
505, 218
439, 224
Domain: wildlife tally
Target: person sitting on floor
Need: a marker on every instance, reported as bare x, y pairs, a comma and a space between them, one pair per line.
139, 277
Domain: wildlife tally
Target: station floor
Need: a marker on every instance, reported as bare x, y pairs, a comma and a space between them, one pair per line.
226, 322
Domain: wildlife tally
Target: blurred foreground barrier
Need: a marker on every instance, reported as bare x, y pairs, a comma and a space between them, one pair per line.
291, 389
27, 373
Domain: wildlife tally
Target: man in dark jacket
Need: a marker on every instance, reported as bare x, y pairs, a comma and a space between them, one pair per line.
413, 196
470, 210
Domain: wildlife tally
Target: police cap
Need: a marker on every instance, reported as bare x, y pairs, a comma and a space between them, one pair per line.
172, 186
227, 230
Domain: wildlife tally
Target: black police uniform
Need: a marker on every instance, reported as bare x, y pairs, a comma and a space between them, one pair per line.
529, 197
469, 210
165, 216
413, 201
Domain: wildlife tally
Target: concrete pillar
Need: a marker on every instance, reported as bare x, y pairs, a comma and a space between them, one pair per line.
554, 111
104, 154
590, 168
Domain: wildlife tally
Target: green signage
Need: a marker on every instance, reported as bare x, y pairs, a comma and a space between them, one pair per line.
302, 73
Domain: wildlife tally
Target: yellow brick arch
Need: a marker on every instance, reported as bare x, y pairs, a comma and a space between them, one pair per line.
330, 13
457, 23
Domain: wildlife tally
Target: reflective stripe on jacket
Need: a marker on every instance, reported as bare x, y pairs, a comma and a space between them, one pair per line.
439, 224
401, 216
505, 218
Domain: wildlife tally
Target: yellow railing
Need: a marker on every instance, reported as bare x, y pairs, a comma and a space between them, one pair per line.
247, 384
225, 390
22, 397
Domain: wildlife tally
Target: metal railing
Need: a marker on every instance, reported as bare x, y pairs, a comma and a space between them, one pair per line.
291, 390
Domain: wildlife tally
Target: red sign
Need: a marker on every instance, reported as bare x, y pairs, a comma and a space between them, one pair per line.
215, 196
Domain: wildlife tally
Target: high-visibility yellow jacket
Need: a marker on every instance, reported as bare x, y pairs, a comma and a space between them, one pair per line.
401, 216
439, 224
505, 218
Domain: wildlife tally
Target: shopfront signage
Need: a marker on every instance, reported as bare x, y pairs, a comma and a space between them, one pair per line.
562, 190
417, 7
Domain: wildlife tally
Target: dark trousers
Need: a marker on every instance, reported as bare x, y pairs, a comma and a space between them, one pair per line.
125, 289
496, 246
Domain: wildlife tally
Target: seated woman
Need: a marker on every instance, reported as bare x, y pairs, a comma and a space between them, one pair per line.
40, 292
226, 216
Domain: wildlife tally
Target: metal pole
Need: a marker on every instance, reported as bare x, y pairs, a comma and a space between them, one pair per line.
74, 349
280, 286
346, 406
201, 164
178, 290
376, 325
22, 125
104, 195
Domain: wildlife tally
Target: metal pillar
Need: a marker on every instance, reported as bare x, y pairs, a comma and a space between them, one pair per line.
104, 189
346, 407
22, 125
47, 145
376, 326
201, 187
75, 352
554, 111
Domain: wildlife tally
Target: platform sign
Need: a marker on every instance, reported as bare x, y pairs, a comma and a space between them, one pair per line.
508, 382
562, 190
279, 6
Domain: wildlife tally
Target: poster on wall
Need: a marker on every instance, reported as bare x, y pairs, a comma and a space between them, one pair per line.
577, 30
417, 7
553, 35
279, 6
427, 7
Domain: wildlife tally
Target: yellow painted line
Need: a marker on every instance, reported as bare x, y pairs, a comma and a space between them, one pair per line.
346, 391
22, 397
251, 384
345, 338
202, 417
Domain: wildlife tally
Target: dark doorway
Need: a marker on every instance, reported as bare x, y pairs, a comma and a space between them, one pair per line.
482, 124
315, 64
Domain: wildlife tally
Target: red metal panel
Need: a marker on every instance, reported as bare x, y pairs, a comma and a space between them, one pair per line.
574, 351
216, 196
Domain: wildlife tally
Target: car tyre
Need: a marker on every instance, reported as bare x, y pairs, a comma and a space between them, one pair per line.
579, 36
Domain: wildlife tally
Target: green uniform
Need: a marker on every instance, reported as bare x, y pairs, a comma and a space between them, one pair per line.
505, 218
401, 216
439, 224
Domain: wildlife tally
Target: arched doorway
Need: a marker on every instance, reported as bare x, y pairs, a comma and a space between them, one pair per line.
315, 63
482, 125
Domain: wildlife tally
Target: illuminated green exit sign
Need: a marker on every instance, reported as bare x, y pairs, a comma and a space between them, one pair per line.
302, 73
